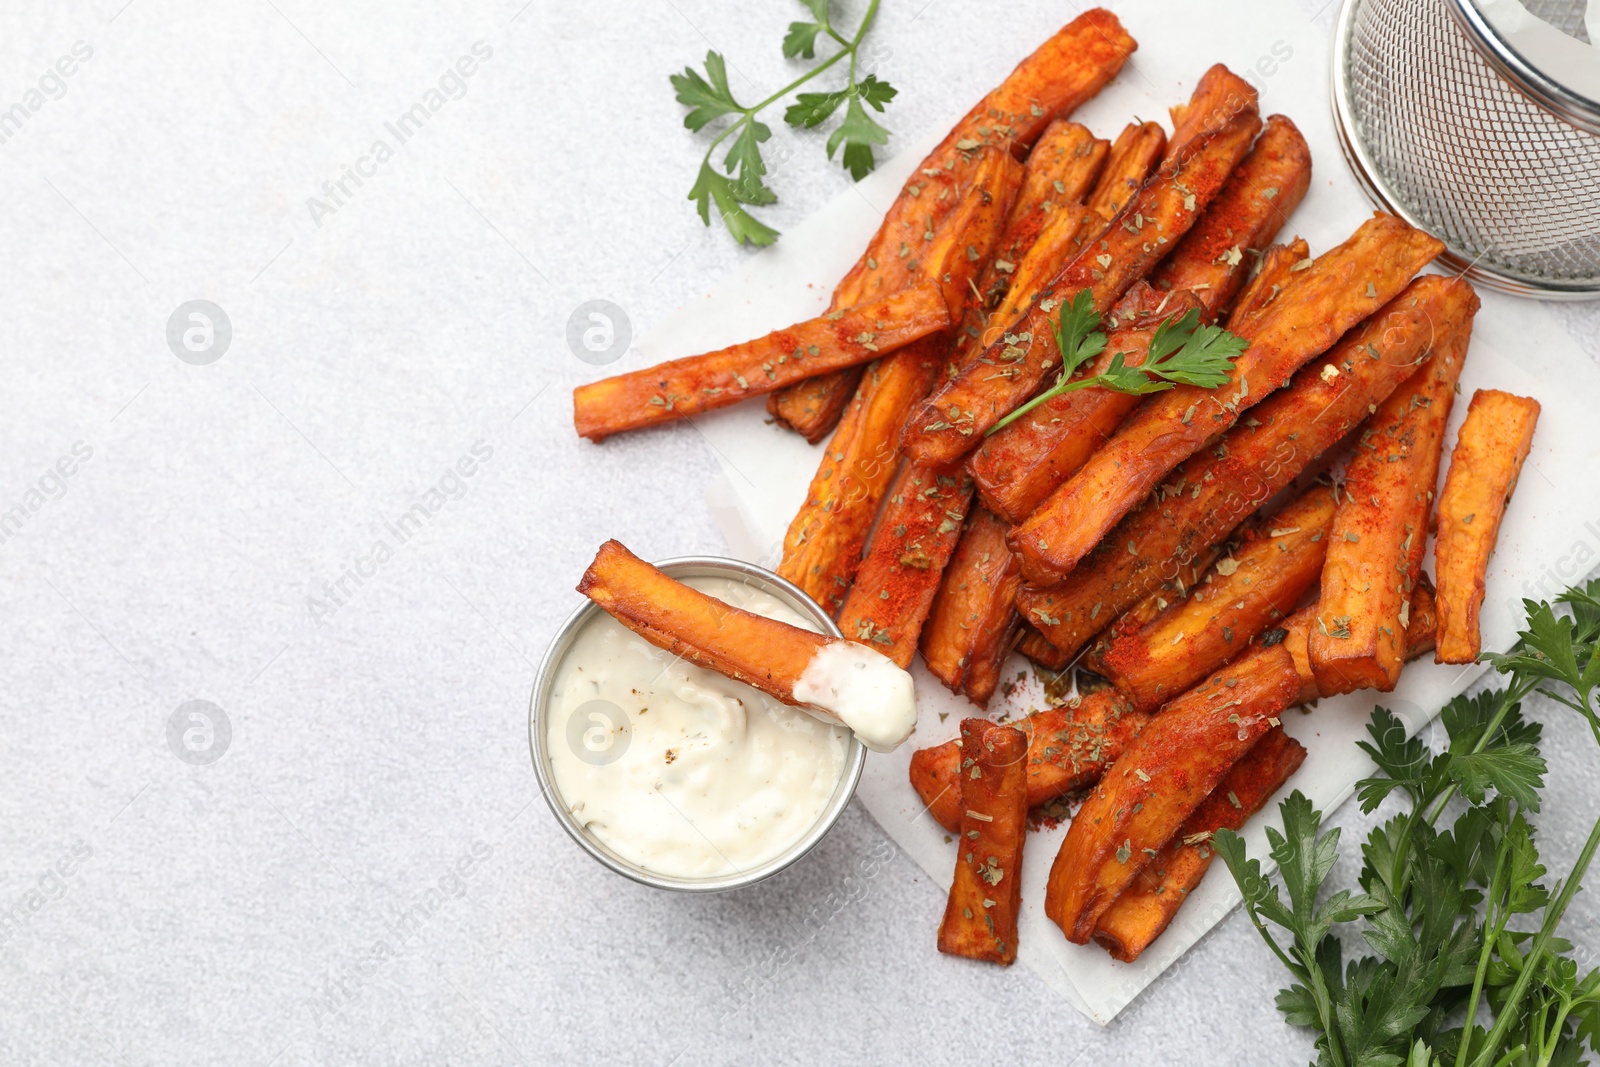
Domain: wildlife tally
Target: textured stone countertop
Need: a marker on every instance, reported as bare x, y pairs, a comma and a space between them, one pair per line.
366, 872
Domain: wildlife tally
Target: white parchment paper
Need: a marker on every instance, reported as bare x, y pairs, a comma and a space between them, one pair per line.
1551, 534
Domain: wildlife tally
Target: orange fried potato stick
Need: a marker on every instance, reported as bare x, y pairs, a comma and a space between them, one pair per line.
1489, 452
980, 917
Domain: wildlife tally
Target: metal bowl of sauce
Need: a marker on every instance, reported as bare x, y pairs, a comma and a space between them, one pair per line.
673, 775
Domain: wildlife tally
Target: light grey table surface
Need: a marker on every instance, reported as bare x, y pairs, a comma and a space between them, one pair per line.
300, 900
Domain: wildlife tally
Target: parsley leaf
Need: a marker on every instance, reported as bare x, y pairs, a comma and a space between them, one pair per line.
801, 40
1516, 770
1187, 353
1181, 352
858, 133
812, 109
709, 98
1260, 895
1439, 906
876, 92
712, 188
1403, 760
1523, 869
744, 160
1078, 336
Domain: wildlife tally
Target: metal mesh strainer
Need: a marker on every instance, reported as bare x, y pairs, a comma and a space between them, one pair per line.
1564, 15
1451, 128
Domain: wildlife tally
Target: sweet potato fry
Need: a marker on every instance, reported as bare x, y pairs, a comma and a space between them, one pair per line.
954, 255
747, 647
1218, 96
1146, 907
1246, 593
1033, 645
1012, 282
1219, 488
951, 245
953, 421
812, 408
835, 679
897, 581
1262, 192
1134, 154
1272, 275
1494, 441
973, 622
1159, 780
1423, 632
1018, 467
1045, 221
1054, 81
1173, 591
1375, 547
682, 388
1068, 747
1060, 238
1295, 635
1061, 172
824, 543
980, 917
823, 547
1338, 290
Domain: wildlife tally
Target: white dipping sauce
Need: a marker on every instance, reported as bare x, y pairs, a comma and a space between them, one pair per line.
678, 769
870, 692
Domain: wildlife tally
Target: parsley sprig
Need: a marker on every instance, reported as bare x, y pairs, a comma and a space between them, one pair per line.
1182, 352
1460, 978
743, 185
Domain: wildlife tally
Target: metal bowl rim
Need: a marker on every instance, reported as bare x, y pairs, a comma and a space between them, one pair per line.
689, 567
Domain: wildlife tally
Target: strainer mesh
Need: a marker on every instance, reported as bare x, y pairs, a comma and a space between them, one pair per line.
1502, 181
1564, 15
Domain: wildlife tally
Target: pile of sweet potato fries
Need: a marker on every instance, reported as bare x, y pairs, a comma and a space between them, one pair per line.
1217, 556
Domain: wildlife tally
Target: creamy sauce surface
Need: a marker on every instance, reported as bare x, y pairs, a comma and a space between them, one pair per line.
871, 693
676, 768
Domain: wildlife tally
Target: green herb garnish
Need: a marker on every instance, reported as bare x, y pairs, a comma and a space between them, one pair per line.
709, 98
1469, 969
1182, 352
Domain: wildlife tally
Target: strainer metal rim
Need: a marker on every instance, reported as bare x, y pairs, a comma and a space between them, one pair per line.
1378, 189
1566, 104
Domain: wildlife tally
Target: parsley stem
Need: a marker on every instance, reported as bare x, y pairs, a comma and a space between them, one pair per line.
1495, 917
855, 42
866, 22
1271, 941
807, 76
1555, 1034
1511, 696
1330, 1025
850, 47
1510, 1056
1309, 972
1511, 1009
1049, 394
